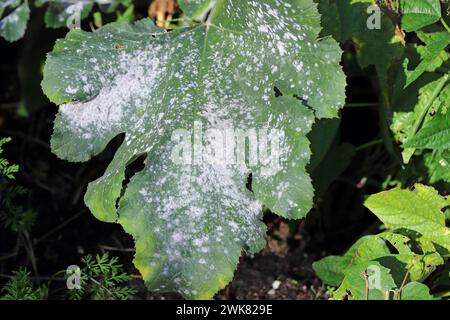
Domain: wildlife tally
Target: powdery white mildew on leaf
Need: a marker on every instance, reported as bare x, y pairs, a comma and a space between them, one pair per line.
192, 221
13, 25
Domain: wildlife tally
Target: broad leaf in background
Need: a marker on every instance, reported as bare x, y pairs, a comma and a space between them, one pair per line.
60, 12
13, 25
416, 291
329, 159
322, 136
191, 221
335, 163
417, 14
9, 4
31, 57
418, 210
195, 8
347, 20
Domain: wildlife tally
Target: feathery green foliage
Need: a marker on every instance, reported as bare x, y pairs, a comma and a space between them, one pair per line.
20, 287
102, 278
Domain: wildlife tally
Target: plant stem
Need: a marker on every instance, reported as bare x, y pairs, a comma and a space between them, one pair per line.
366, 279
445, 25
403, 282
369, 144
361, 105
59, 227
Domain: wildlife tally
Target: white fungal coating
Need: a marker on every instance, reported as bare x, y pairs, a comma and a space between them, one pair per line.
222, 75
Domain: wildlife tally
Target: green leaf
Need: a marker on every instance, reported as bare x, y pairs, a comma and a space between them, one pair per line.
60, 13
127, 16
354, 285
31, 56
322, 136
334, 164
418, 210
437, 42
414, 108
347, 271
191, 221
417, 14
347, 20
434, 135
332, 269
438, 164
419, 266
416, 291
10, 4
195, 8
12, 27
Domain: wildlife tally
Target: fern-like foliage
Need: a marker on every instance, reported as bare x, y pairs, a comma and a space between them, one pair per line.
19, 287
102, 278
13, 214
7, 170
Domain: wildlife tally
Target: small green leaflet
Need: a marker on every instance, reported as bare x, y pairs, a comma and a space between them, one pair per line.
417, 14
191, 221
13, 26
